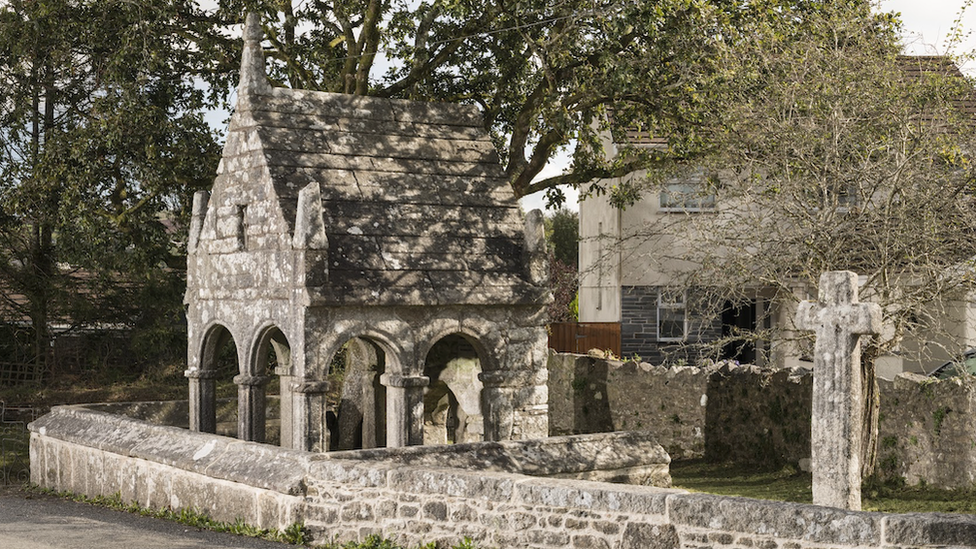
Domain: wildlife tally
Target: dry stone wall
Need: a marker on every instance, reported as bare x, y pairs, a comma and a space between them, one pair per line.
346, 499
592, 395
927, 428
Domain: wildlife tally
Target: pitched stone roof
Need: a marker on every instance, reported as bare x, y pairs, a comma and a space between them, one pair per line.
415, 204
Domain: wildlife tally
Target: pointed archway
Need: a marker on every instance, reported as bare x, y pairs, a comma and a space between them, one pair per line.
452, 399
271, 358
359, 398
213, 380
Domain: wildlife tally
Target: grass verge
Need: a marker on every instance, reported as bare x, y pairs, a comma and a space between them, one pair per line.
788, 484
296, 534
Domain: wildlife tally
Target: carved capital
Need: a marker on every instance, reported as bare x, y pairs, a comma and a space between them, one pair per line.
310, 387
397, 380
249, 380
200, 374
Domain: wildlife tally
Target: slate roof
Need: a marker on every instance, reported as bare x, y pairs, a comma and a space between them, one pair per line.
917, 66
416, 205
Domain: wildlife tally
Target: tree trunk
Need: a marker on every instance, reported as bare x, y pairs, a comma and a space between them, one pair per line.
39, 295
872, 405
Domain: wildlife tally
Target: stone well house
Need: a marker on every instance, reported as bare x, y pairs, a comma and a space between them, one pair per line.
627, 277
386, 227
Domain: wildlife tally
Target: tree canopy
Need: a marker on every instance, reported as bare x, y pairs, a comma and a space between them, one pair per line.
836, 153
548, 74
840, 155
101, 143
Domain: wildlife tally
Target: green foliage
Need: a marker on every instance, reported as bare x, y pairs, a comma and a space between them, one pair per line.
564, 283
547, 74
102, 144
889, 464
378, 542
562, 236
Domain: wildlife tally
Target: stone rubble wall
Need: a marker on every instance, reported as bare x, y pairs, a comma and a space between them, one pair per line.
591, 395
927, 430
728, 412
95, 453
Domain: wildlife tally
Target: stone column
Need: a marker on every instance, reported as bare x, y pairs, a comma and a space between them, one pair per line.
515, 404
309, 429
839, 321
368, 406
285, 404
203, 400
497, 403
404, 409
251, 411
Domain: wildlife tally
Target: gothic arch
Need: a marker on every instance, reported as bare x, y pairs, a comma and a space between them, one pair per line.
360, 407
453, 409
203, 379
215, 337
445, 329
253, 384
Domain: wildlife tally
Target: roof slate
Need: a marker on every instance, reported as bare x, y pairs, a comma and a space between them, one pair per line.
415, 202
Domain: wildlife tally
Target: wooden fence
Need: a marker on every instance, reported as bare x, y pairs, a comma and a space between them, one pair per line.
580, 337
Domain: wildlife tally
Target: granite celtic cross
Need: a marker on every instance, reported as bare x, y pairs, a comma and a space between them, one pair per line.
838, 321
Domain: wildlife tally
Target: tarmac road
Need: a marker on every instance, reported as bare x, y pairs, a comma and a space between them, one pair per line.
37, 521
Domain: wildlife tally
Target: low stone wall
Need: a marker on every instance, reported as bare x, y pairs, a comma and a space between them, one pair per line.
728, 412
342, 498
757, 415
590, 395
927, 430
630, 457
725, 411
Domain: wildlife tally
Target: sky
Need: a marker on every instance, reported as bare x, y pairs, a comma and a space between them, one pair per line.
926, 24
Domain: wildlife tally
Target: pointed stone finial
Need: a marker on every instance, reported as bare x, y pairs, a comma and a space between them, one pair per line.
536, 257
254, 81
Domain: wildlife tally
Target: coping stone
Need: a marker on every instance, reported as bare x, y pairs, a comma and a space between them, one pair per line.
595, 496
785, 520
930, 529
497, 487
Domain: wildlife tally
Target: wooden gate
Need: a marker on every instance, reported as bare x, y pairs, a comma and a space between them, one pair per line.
580, 337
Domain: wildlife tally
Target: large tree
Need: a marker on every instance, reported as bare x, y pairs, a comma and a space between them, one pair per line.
101, 143
837, 154
548, 74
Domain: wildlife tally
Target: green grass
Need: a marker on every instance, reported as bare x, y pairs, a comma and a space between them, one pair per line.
295, 534
918, 499
788, 484
735, 480
14, 457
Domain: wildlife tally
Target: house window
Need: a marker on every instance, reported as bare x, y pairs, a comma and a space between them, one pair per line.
691, 194
672, 320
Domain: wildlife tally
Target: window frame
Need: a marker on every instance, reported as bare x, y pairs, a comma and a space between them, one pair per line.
672, 306
683, 194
